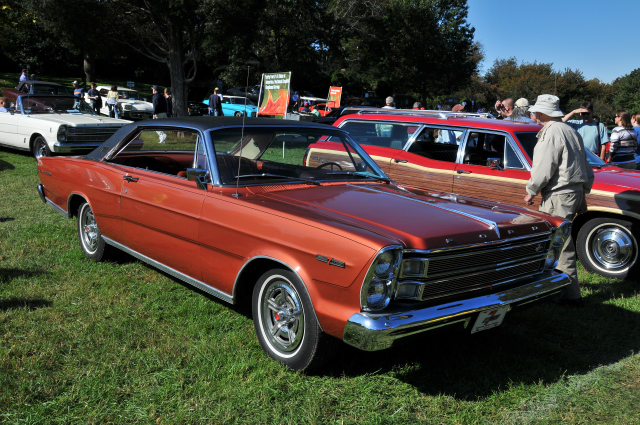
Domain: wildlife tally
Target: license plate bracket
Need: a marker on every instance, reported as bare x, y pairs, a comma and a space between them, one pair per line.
490, 318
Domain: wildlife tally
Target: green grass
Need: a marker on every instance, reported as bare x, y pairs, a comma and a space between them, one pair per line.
118, 343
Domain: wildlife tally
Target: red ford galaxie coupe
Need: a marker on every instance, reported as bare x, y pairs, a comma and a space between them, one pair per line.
321, 253
491, 159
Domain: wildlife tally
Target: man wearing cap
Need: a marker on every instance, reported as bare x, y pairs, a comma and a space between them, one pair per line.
159, 104
389, 103
215, 104
562, 176
23, 76
594, 134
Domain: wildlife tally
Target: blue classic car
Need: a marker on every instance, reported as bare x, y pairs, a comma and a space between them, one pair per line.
235, 105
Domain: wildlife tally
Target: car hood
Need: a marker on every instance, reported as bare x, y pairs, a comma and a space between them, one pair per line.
79, 120
137, 104
411, 219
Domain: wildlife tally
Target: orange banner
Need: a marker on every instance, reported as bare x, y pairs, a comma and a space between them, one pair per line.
335, 93
276, 87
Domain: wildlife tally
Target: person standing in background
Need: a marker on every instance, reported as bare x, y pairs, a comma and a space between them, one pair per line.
594, 134
167, 95
23, 76
624, 141
112, 102
159, 104
215, 103
94, 98
635, 120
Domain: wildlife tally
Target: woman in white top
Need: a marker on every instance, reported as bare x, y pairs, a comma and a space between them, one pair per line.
112, 101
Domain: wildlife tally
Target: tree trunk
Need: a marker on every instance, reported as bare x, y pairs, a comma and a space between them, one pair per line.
89, 68
176, 70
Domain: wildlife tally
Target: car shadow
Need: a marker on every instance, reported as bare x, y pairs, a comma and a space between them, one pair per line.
5, 219
7, 275
23, 303
4, 166
539, 345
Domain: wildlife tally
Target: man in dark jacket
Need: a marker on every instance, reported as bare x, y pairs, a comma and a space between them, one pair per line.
159, 104
215, 104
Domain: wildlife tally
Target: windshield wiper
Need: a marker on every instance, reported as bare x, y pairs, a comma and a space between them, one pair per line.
308, 181
361, 174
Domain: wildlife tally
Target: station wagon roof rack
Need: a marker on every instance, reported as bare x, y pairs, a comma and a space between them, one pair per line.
445, 115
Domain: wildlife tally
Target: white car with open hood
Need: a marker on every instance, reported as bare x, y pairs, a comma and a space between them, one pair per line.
54, 124
130, 105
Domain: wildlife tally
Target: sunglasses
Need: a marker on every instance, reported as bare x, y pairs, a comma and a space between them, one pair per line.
585, 113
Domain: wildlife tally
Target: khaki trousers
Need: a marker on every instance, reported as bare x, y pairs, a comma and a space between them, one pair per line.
566, 205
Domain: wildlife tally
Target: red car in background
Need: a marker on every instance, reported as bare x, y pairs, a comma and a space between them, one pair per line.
491, 159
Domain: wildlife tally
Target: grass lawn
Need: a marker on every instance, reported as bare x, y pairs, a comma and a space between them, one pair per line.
118, 343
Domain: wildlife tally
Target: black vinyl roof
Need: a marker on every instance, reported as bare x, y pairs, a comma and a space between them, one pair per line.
203, 124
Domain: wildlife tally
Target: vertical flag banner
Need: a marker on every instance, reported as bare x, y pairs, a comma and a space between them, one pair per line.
335, 93
276, 89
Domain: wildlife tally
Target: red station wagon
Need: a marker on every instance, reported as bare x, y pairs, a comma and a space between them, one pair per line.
321, 253
469, 155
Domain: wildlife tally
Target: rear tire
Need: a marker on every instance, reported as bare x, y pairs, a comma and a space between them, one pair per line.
91, 241
608, 247
238, 114
286, 324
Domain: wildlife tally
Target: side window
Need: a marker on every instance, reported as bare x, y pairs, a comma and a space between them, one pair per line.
438, 144
388, 135
481, 146
168, 152
511, 159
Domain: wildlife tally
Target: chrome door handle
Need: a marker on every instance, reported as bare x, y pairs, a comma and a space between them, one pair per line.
400, 160
464, 172
131, 178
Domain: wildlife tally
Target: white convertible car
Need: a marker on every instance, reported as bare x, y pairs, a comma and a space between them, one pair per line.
130, 105
51, 124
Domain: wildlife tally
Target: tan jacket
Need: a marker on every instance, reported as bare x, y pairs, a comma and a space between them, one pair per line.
559, 161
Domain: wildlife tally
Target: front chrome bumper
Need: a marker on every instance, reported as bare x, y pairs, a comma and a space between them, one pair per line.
371, 332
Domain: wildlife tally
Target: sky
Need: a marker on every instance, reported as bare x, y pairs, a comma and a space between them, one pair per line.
598, 38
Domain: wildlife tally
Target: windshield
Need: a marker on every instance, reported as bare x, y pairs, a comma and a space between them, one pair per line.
126, 94
528, 141
55, 105
299, 155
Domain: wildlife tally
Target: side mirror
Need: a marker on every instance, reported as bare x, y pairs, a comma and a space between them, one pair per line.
199, 175
494, 163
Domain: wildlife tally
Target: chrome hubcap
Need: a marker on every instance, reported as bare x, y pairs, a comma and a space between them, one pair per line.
612, 247
89, 230
282, 316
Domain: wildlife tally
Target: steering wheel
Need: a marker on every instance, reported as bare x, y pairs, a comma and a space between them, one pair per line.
329, 163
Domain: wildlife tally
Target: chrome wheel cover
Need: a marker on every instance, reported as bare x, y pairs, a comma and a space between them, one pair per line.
40, 148
612, 248
89, 231
281, 315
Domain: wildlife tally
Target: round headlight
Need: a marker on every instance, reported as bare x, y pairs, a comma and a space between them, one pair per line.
384, 264
62, 133
128, 107
561, 235
377, 294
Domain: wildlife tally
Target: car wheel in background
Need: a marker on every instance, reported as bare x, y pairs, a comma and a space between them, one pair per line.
91, 241
238, 114
285, 321
40, 147
608, 246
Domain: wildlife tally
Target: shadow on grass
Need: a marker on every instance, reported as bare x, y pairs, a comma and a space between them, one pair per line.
5, 219
4, 165
21, 303
7, 275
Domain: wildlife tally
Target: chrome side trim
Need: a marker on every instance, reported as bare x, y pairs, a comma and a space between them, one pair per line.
492, 224
478, 245
372, 332
173, 272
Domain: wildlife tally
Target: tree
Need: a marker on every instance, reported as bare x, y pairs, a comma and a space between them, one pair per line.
627, 91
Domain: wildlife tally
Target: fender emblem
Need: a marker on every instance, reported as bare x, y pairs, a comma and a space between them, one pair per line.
330, 261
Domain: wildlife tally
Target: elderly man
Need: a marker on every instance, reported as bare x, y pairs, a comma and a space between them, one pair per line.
389, 103
562, 176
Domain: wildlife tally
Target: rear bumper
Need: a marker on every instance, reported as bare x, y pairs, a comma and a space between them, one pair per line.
371, 332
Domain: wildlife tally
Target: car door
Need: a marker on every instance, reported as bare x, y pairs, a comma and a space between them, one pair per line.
160, 208
9, 130
504, 182
429, 161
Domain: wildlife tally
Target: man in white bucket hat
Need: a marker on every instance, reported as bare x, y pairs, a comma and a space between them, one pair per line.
562, 176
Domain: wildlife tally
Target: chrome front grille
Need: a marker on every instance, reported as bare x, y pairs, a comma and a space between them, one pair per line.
453, 271
90, 134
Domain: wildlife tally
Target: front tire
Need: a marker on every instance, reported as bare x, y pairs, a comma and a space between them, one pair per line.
91, 241
40, 148
608, 247
285, 322
238, 114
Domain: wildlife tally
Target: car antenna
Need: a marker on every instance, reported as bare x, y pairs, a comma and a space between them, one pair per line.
237, 195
